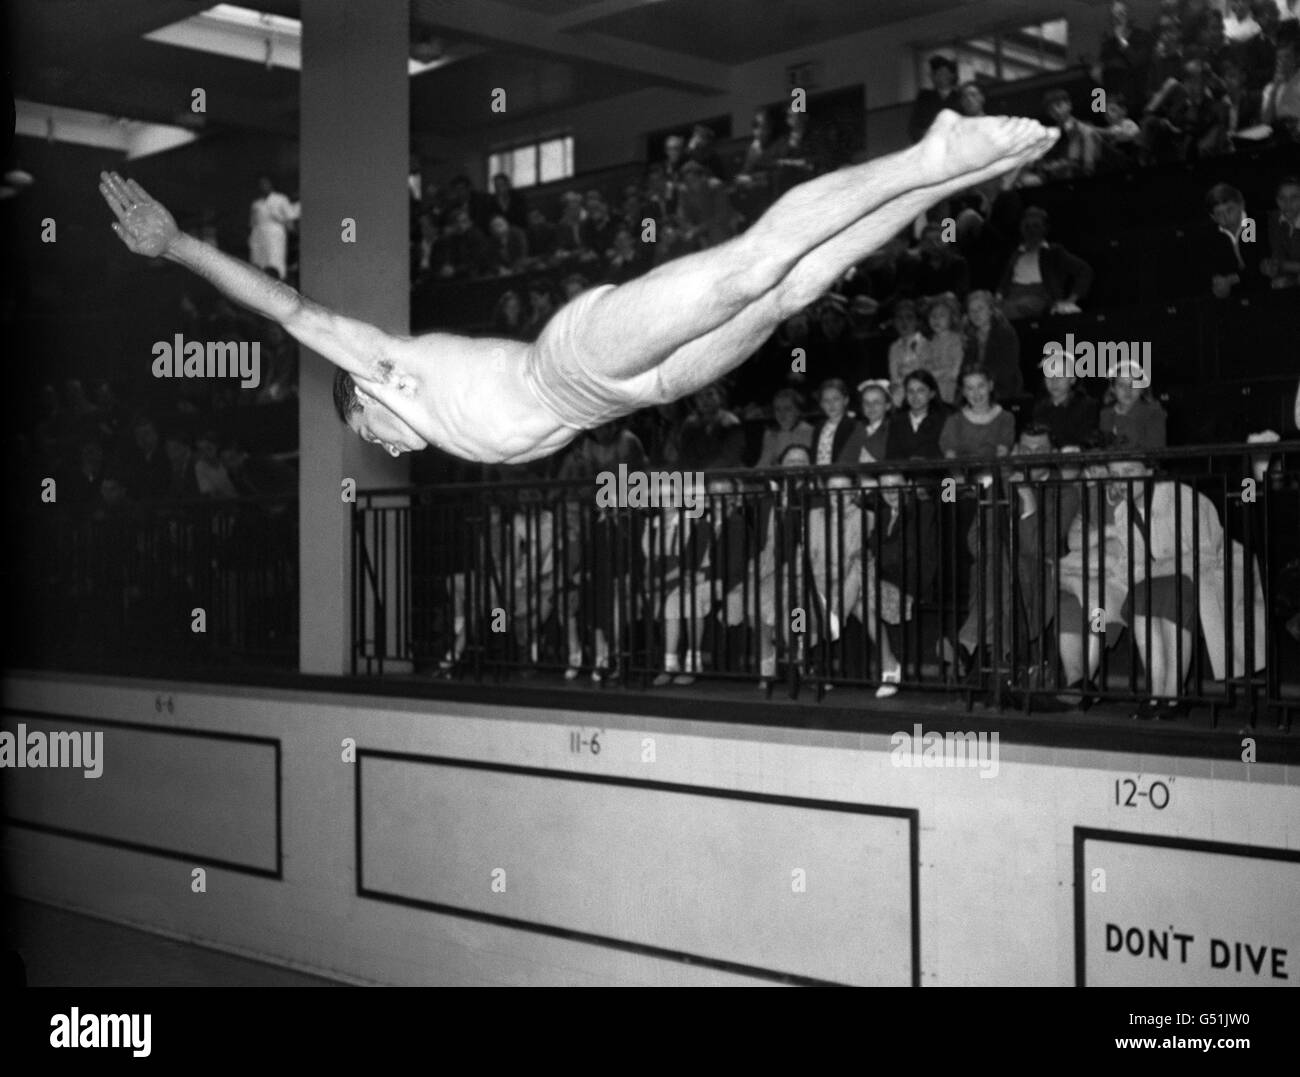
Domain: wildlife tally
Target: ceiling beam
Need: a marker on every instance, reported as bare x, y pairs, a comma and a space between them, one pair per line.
600, 9
495, 23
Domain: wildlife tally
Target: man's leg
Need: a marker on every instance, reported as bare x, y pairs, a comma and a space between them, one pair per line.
805, 241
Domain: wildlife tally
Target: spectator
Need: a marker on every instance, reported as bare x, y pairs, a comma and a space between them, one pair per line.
837, 436
507, 253
508, 316
914, 431
937, 266
1226, 256
541, 236
627, 258
1125, 56
508, 202
1187, 119
1041, 277
209, 473
905, 353
1119, 139
876, 405
1242, 103
704, 214
790, 428
1166, 58
1076, 153
754, 180
798, 158
712, 438
1239, 25
702, 149
1282, 266
183, 484
463, 250
1131, 415
674, 158
1066, 413
571, 237
970, 99
269, 219
599, 227
145, 469
941, 351
1280, 106
573, 286
929, 103
981, 428
463, 196
541, 305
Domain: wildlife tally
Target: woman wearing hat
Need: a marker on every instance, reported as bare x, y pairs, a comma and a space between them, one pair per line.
876, 406
942, 350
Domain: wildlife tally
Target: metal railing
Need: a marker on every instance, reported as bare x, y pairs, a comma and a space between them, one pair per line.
1036, 582
118, 589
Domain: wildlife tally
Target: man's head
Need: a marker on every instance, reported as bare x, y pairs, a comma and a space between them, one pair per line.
970, 99
1058, 106
1033, 226
371, 420
1227, 206
499, 227
265, 185
501, 183
1036, 440
920, 388
833, 397
145, 434
786, 408
943, 73
674, 147
1288, 198
1119, 13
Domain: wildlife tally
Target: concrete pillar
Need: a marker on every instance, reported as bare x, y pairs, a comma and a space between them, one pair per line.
355, 119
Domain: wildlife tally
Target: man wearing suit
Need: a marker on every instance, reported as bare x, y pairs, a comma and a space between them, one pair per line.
1228, 256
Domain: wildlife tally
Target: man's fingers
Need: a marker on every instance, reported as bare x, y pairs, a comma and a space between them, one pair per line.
114, 203
118, 187
138, 192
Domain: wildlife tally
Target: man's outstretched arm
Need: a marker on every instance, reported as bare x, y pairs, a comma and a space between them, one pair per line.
146, 227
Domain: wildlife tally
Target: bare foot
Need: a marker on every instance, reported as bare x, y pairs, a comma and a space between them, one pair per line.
966, 146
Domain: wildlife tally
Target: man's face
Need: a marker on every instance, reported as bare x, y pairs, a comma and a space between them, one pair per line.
833, 403
377, 424
1228, 215
972, 101
1060, 111
1288, 201
1058, 388
918, 395
146, 438
943, 78
673, 147
1033, 228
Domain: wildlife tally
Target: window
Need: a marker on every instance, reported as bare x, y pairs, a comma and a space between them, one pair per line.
534, 163
1007, 55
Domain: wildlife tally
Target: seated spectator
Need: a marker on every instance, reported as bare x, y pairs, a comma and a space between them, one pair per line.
508, 316
970, 99
541, 236
712, 438
508, 251
627, 258
599, 227
1068, 414
941, 352
1118, 140
463, 251
570, 236
573, 286
1041, 277
209, 473
1131, 415
753, 183
702, 149
790, 428
1280, 105
1282, 266
798, 153
914, 431
1242, 102
992, 344
1239, 24
1230, 261
876, 406
905, 352
833, 352
1167, 57
929, 103
704, 214
837, 436
981, 428
1187, 119
937, 266
542, 303
507, 202
1076, 152
183, 484
144, 467
462, 195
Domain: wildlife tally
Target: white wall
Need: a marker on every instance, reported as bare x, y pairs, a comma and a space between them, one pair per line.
616, 865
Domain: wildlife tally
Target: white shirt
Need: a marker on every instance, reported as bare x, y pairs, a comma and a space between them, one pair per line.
826, 443
1281, 100
1027, 269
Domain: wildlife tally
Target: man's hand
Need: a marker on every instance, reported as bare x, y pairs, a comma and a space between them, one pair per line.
144, 225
